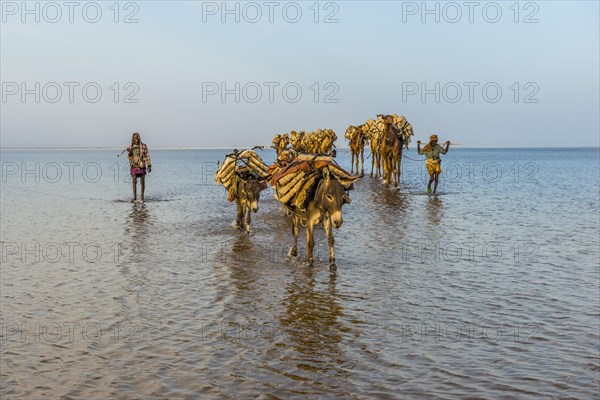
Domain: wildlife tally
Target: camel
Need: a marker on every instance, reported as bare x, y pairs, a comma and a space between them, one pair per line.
328, 142
404, 127
357, 138
319, 142
296, 139
374, 134
309, 143
391, 150
325, 207
280, 142
325, 142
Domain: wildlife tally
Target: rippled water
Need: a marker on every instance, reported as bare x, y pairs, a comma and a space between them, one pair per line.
489, 289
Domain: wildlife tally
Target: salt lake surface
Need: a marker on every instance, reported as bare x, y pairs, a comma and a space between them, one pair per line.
489, 289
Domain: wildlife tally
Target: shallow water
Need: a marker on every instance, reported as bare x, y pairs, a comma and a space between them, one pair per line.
489, 289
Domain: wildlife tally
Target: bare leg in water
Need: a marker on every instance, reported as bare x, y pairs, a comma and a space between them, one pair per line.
143, 184
433, 178
134, 182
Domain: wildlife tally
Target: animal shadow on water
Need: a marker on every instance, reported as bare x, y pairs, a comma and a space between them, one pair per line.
242, 250
312, 321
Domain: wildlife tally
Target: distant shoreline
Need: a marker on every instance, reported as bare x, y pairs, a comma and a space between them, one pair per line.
266, 148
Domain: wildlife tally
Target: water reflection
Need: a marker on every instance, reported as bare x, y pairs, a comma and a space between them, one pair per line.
435, 210
137, 226
241, 246
390, 205
400, 321
241, 261
244, 270
136, 258
312, 322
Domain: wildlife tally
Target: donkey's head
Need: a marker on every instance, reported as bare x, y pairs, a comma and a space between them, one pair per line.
331, 197
252, 187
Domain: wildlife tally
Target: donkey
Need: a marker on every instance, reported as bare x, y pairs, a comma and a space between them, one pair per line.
248, 189
325, 207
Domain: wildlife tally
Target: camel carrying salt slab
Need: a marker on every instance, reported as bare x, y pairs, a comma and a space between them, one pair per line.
295, 184
240, 164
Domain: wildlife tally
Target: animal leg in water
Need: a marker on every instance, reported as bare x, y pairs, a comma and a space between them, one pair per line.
400, 165
295, 223
398, 168
330, 241
240, 215
373, 156
248, 218
362, 161
386, 170
310, 241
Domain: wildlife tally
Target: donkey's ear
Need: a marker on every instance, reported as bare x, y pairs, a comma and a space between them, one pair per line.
326, 173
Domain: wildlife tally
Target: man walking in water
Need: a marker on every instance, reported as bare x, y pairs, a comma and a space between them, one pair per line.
432, 151
139, 162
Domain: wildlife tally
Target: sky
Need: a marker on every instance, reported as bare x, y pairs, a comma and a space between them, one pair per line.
215, 74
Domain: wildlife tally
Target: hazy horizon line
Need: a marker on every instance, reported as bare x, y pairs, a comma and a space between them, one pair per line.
102, 148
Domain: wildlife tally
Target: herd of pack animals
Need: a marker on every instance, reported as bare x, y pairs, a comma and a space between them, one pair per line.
307, 181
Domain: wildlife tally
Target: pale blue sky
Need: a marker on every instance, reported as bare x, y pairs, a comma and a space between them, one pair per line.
370, 54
